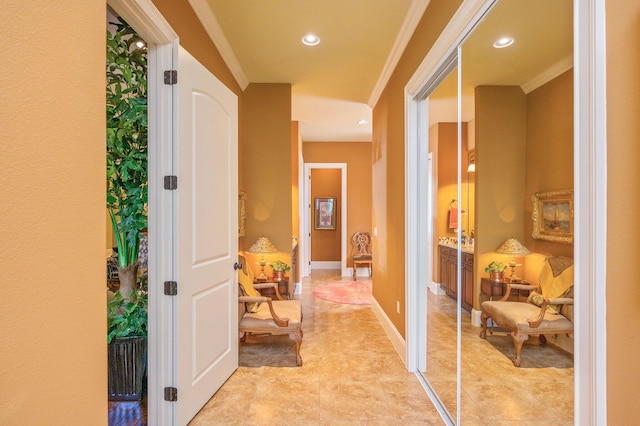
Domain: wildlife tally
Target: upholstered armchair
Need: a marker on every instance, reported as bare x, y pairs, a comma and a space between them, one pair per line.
264, 316
547, 310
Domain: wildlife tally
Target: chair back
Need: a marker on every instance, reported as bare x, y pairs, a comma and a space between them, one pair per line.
361, 242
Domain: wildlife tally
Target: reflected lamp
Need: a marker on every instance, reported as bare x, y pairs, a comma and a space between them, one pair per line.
514, 248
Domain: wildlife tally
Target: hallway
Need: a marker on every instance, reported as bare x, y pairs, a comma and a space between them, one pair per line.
351, 374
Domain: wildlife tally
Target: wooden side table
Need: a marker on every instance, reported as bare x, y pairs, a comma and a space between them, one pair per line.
283, 288
495, 290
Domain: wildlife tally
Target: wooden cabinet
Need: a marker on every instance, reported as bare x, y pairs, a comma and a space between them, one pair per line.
467, 281
449, 275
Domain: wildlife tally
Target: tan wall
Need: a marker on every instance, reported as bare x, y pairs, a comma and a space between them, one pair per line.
443, 142
266, 163
53, 359
388, 166
623, 232
194, 38
325, 243
549, 151
357, 156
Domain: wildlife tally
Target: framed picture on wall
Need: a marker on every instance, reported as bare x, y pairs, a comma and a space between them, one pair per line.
553, 216
325, 213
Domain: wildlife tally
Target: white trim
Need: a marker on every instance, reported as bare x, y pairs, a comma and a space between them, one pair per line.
549, 74
145, 18
305, 239
325, 264
436, 288
396, 339
590, 177
411, 21
453, 34
475, 317
212, 27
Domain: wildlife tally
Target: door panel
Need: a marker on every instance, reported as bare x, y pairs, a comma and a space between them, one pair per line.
206, 243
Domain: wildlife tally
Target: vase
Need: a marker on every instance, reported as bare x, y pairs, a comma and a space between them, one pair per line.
496, 276
279, 276
127, 357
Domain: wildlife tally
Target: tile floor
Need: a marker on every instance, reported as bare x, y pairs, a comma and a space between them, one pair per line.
352, 375
493, 391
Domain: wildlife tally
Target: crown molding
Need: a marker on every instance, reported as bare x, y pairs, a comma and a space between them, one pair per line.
212, 27
411, 21
549, 74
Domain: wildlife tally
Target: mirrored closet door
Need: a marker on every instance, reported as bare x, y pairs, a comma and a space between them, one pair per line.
500, 119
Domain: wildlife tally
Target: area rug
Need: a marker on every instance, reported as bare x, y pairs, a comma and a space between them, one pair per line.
348, 292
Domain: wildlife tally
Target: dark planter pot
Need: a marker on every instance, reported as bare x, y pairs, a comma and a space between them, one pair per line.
127, 367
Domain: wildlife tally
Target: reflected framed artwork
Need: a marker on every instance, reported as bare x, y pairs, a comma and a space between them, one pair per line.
325, 213
553, 216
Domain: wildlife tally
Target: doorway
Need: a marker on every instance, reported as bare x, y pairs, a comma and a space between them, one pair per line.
307, 223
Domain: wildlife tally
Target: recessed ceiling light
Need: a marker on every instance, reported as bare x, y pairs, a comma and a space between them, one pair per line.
503, 42
363, 121
310, 39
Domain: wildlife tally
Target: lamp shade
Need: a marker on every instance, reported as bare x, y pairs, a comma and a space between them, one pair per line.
263, 245
513, 247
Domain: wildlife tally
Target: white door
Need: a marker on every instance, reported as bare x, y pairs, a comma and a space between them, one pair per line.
206, 243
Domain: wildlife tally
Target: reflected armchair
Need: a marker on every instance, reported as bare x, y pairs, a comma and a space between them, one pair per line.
546, 311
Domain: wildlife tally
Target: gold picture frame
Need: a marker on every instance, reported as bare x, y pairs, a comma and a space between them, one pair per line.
325, 213
553, 216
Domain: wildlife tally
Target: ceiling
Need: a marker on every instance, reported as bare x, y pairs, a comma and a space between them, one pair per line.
336, 83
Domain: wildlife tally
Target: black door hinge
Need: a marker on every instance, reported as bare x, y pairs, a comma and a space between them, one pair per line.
170, 288
171, 77
171, 182
170, 394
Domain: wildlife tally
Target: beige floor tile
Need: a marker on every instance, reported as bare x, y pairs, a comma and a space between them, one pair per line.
352, 375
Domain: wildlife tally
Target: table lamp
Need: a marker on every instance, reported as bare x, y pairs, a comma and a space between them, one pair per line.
513, 247
261, 246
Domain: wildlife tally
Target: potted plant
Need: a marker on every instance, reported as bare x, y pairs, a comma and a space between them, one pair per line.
127, 171
496, 270
279, 268
126, 339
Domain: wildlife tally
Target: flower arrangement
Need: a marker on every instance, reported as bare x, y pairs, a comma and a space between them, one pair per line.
495, 266
279, 266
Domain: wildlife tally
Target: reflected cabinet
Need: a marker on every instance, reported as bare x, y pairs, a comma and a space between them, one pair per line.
449, 275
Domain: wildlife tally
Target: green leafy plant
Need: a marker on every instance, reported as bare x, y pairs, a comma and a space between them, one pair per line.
127, 317
279, 265
495, 266
127, 143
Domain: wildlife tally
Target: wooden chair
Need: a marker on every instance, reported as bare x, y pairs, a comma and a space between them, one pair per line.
361, 252
264, 316
547, 312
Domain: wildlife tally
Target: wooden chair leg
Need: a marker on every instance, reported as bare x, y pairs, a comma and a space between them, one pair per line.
518, 340
297, 337
483, 321
354, 271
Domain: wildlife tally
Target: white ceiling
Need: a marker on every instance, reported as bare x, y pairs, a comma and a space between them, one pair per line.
336, 83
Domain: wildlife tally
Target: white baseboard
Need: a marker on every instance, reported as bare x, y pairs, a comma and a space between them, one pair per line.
436, 288
360, 272
326, 265
397, 340
475, 318
297, 288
